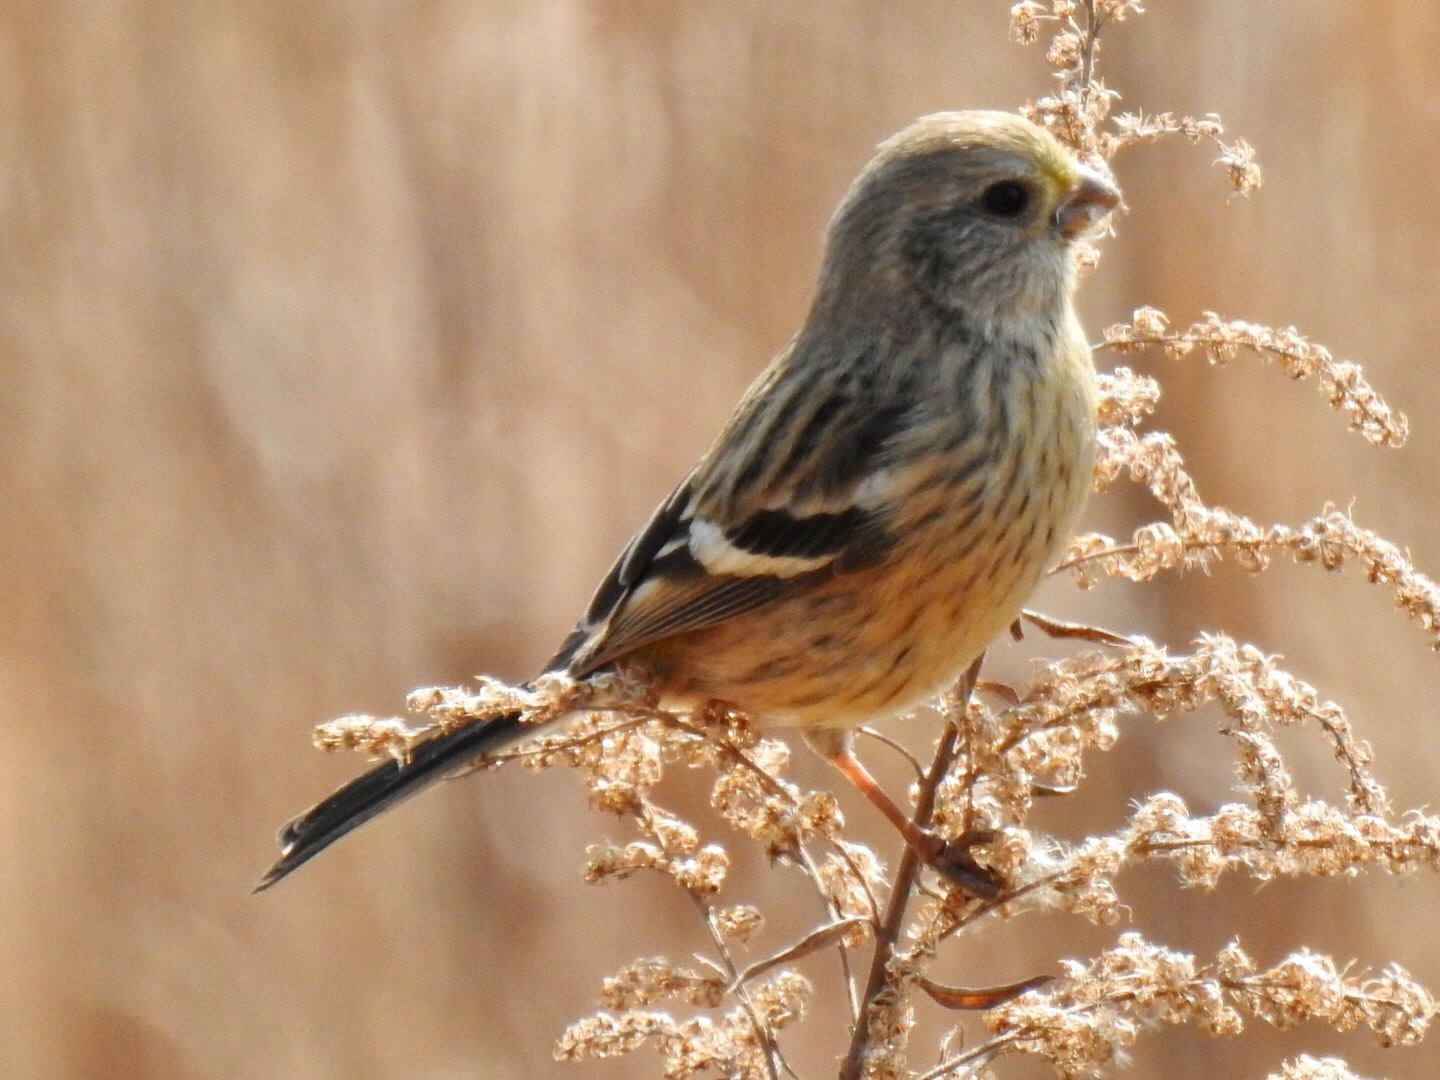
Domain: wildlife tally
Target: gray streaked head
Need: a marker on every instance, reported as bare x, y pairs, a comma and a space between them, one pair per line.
972, 213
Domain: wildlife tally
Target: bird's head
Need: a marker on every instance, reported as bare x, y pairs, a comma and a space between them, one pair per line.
976, 212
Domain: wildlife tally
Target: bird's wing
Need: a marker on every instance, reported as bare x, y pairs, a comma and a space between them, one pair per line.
706, 557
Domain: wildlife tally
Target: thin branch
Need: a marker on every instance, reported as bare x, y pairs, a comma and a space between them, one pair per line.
906, 875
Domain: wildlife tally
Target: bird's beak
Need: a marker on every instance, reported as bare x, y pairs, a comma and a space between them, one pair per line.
1090, 199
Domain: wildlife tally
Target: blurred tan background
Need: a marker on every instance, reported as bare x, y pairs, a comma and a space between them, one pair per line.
344, 343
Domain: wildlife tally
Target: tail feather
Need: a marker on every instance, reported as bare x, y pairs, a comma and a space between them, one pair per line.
385, 785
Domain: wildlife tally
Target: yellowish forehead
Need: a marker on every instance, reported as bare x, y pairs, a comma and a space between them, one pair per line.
1052, 160
1001, 131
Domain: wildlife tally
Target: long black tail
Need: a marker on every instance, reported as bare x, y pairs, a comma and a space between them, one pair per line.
385, 785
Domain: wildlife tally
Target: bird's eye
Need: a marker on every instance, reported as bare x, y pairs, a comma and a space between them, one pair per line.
1007, 199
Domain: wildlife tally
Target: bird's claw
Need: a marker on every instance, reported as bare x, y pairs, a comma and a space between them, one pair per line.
953, 859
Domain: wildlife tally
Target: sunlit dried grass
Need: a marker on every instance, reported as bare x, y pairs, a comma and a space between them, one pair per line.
1002, 749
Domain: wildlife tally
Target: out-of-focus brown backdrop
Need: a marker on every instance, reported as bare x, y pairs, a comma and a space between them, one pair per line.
343, 344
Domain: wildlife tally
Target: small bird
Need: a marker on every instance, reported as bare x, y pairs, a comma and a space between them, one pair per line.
887, 494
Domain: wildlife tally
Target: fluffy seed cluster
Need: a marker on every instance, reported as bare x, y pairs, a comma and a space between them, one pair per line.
1222, 340
1091, 1017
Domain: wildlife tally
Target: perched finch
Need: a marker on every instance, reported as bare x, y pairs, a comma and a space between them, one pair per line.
887, 494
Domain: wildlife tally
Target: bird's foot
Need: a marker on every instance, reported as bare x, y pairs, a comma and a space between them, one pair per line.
954, 860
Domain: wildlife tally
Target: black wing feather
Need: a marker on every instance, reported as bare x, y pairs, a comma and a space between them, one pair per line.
779, 533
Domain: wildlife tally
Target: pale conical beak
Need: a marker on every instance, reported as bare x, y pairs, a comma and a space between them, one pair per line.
1088, 202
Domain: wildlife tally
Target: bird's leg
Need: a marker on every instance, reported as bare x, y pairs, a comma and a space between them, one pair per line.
951, 858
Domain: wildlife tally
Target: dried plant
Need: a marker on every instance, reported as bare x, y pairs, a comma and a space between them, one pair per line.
1003, 748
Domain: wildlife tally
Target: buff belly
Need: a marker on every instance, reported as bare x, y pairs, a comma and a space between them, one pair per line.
887, 638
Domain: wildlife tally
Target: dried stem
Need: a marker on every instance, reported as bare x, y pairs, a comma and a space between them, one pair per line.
906, 875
